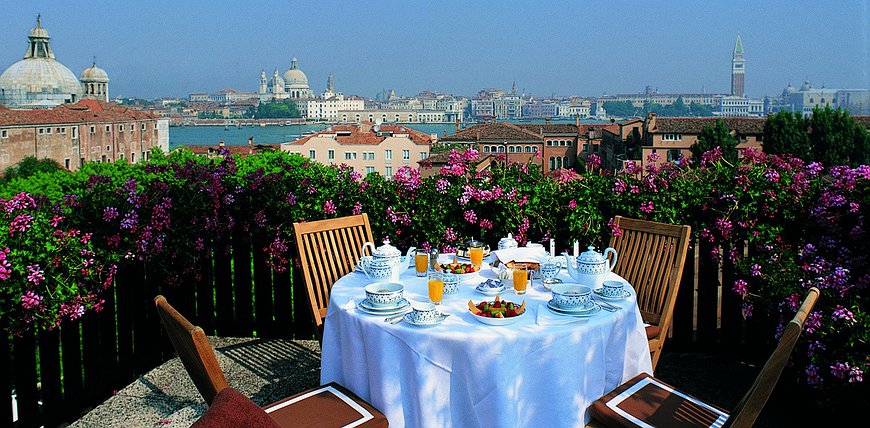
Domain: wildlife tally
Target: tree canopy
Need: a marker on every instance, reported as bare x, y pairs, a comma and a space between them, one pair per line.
276, 109
714, 136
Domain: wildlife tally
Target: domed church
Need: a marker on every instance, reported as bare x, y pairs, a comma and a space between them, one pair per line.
40, 81
293, 85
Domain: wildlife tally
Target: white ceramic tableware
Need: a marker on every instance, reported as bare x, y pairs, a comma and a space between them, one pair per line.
437, 319
451, 282
571, 295
591, 266
499, 321
612, 289
549, 270
423, 312
384, 294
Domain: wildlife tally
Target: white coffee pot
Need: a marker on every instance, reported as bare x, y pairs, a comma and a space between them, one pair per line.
591, 267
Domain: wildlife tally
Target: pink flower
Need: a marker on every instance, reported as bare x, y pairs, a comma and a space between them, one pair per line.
470, 216
486, 224
36, 274
572, 204
329, 207
647, 207
740, 287
357, 209
30, 300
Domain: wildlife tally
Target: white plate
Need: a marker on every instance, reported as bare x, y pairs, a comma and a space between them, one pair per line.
379, 311
438, 320
402, 303
625, 294
490, 291
585, 313
498, 321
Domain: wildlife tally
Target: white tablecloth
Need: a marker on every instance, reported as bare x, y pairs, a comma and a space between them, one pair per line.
462, 373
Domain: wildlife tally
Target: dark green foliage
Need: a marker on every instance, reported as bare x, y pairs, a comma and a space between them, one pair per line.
30, 166
678, 108
277, 109
787, 132
714, 136
836, 139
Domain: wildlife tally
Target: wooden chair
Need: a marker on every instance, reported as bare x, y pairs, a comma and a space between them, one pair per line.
651, 259
328, 250
329, 405
647, 399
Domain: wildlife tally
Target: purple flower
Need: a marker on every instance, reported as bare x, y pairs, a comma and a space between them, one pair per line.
647, 207
470, 216
30, 300
20, 223
619, 186
813, 375
486, 224
450, 235
131, 220
290, 199
840, 370
746, 308
572, 204
740, 287
5, 267
771, 175
110, 213
441, 186
357, 209
329, 207
755, 270
841, 313
36, 274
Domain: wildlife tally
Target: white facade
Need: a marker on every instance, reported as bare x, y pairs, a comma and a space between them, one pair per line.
734, 106
328, 109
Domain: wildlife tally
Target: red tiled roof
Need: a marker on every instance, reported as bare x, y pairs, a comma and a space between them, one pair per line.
694, 125
551, 128
364, 134
82, 111
494, 131
243, 150
863, 121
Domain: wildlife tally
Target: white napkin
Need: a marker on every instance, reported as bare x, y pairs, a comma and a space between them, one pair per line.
546, 317
522, 254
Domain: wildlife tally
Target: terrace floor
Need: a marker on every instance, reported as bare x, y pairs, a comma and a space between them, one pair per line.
268, 370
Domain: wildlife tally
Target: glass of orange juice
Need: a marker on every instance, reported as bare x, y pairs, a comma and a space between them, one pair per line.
475, 253
436, 286
521, 278
421, 262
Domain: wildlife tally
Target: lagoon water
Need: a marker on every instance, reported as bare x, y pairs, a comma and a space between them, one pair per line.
274, 134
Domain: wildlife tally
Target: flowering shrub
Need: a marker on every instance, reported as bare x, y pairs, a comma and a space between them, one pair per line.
804, 225
49, 270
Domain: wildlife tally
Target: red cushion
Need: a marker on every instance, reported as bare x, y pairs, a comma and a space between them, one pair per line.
655, 403
652, 331
232, 409
325, 406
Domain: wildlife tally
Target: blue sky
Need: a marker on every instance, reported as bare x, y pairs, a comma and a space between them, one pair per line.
171, 48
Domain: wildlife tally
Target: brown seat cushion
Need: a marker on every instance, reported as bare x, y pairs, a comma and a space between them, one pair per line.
652, 331
232, 409
655, 403
325, 406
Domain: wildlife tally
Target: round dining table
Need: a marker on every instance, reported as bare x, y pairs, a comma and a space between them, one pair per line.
543, 370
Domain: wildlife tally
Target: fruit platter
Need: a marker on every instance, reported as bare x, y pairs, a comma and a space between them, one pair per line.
497, 311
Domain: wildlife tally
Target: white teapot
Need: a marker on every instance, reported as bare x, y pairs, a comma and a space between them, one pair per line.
386, 262
592, 267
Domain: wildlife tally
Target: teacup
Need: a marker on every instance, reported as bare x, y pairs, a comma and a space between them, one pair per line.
423, 312
571, 295
384, 294
535, 246
451, 282
613, 289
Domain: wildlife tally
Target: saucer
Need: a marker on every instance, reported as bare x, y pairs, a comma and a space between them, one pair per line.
589, 309
490, 291
438, 320
548, 282
365, 306
625, 294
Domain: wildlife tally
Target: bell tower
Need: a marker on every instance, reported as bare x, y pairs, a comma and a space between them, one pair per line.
738, 70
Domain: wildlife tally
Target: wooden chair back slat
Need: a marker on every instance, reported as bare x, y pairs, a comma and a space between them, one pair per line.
328, 250
749, 407
193, 349
651, 258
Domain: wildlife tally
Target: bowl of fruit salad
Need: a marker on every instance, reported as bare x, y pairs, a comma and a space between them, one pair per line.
497, 311
463, 271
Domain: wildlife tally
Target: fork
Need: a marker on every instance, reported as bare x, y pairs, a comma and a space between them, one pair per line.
607, 306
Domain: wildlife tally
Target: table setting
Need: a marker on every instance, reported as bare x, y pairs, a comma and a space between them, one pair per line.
432, 347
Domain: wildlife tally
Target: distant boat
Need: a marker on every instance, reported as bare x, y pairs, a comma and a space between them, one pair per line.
226, 128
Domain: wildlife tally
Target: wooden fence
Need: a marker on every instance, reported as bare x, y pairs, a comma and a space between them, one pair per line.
59, 375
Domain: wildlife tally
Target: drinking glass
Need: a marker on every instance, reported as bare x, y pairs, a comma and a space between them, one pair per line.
521, 278
436, 287
476, 256
421, 263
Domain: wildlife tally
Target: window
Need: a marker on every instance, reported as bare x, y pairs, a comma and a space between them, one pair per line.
75, 132
672, 137
486, 149
423, 155
103, 159
120, 127
388, 155
511, 149
311, 154
121, 156
93, 129
501, 149
406, 155
528, 149
370, 170
108, 128
66, 163
41, 131
143, 126
674, 154
133, 157
60, 130
389, 172
349, 155
48, 130
331, 155
552, 163
108, 149
4, 133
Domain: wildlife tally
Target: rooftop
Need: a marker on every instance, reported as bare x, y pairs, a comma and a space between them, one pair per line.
82, 111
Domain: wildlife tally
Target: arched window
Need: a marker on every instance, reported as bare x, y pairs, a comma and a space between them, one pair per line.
558, 163
501, 149
552, 163
510, 149
528, 149
486, 149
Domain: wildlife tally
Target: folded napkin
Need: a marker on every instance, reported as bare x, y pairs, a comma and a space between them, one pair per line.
546, 317
523, 254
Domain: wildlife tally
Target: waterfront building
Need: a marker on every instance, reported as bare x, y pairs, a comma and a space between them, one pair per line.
328, 108
734, 106
366, 147
856, 101
71, 134
651, 96
40, 81
540, 109
807, 97
198, 97
454, 108
296, 82
229, 95
738, 69
273, 89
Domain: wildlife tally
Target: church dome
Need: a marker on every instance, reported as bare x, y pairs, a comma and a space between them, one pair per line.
788, 90
94, 74
276, 81
295, 76
806, 86
38, 79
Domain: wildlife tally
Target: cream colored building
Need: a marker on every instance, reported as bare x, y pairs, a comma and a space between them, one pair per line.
367, 148
328, 108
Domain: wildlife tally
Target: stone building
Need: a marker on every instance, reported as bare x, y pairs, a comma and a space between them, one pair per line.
366, 147
72, 134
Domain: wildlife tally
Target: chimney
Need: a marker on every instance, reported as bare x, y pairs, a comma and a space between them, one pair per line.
547, 120
577, 121
457, 125
221, 143
250, 145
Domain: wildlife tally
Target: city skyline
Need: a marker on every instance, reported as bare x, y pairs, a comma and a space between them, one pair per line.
591, 48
